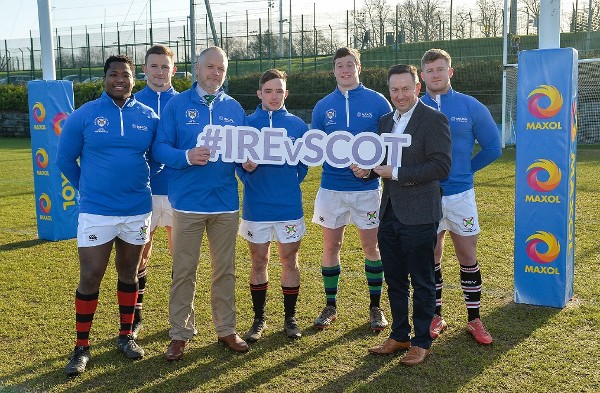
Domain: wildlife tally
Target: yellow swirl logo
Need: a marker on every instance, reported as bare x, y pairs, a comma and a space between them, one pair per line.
45, 203
541, 94
539, 240
543, 166
39, 112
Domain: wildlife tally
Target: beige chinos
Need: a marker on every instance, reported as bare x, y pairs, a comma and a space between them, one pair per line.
188, 232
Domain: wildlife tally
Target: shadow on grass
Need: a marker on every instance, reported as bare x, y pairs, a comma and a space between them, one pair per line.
22, 244
455, 357
455, 360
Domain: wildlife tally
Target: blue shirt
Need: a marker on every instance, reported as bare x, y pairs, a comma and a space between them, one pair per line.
210, 188
470, 121
272, 192
157, 101
111, 143
357, 110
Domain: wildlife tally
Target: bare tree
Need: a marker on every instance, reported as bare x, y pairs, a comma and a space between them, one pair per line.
462, 24
490, 17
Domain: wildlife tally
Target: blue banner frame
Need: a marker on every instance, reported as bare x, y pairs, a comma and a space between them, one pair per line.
545, 176
50, 103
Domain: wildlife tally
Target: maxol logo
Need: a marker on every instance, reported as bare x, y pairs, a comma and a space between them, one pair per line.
41, 158
58, 122
39, 112
545, 102
542, 247
45, 203
543, 169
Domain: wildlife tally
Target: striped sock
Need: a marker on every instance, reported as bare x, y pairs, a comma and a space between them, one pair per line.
259, 299
439, 285
85, 308
140, 298
290, 297
374, 273
331, 279
470, 281
126, 296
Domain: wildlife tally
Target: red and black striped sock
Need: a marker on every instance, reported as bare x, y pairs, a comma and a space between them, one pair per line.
126, 296
140, 298
290, 298
85, 308
259, 299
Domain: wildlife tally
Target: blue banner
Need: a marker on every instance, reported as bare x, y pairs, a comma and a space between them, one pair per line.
50, 103
545, 176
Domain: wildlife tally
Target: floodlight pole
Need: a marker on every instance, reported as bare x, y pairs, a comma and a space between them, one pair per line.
212, 22
46, 40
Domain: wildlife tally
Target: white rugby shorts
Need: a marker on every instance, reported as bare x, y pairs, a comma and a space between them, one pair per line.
281, 231
94, 229
334, 209
460, 214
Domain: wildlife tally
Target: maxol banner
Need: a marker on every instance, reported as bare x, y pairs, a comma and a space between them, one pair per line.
545, 176
50, 103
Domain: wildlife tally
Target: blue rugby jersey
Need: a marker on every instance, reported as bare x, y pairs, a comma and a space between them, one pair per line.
357, 110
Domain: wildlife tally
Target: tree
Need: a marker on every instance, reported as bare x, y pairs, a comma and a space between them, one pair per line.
490, 17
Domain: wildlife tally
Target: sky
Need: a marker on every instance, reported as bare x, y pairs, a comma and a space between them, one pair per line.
21, 16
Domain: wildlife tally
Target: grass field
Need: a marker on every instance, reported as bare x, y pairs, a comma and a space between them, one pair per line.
536, 349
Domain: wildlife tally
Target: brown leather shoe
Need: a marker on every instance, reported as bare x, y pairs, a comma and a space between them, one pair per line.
414, 356
234, 342
390, 346
175, 350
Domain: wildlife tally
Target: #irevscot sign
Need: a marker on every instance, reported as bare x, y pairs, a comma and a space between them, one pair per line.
339, 149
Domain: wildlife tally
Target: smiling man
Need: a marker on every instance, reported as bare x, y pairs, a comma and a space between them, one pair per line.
410, 212
343, 198
272, 209
159, 69
106, 135
204, 196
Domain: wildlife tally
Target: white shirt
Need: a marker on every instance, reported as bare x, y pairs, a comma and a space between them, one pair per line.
400, 123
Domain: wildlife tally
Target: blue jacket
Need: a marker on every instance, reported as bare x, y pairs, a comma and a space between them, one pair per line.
111, 142
359, 110
210, 188
272, 192
157, 101
469, 120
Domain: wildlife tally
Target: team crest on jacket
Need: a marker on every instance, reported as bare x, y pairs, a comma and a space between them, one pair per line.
101, 122
330, 115
191, 115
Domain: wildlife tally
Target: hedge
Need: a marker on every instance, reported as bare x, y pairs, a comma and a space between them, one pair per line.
306, 87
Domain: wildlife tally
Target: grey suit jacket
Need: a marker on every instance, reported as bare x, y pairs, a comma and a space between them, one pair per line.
416, 196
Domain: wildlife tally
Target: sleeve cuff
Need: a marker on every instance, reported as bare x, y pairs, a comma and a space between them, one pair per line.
187, 158
395, 174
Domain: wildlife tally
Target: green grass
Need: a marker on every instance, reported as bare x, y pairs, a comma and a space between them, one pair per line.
536, 349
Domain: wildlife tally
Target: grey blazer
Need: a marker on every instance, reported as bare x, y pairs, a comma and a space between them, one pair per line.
416, 196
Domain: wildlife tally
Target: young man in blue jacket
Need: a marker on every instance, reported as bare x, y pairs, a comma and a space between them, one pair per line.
204, 196
106, 135
272, 209
343, 199
470, 121
159, 69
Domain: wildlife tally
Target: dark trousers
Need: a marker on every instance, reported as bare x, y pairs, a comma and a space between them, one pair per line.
407, 251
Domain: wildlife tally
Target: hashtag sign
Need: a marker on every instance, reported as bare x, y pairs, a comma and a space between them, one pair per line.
211, 138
